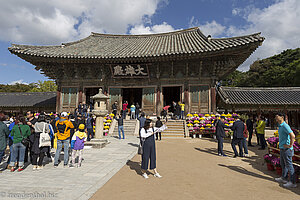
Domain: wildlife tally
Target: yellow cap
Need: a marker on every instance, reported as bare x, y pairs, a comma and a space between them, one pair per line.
81, 126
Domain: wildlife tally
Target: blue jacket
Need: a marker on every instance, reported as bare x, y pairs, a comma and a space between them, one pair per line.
238, 129
142, 122
220, 132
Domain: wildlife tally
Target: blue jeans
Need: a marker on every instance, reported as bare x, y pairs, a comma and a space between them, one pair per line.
181, 115
287, 164
18, 152
124, 114
244, 142
120, 128
60, 143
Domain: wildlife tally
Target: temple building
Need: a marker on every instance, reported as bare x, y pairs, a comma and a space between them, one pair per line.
152, 70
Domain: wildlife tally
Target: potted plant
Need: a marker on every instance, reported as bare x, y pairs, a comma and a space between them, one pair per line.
268, 159
276, 163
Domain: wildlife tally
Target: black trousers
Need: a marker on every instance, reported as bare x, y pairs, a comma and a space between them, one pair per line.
257, 137
158, 134
220, 145
149, 153
28, 151
250, 138
36, 156
237, 141
262, 140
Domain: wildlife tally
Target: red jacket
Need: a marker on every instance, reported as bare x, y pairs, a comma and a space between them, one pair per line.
245, 132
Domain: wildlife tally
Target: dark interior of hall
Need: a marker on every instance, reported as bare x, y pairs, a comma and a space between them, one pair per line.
132, 95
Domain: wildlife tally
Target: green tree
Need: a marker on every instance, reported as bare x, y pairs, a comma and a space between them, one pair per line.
280, 70
44, 86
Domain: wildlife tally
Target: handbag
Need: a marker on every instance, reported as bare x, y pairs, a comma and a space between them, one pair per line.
25, 141
45, 140
140, 148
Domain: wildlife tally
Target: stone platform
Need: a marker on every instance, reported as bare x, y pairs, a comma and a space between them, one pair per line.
98, 166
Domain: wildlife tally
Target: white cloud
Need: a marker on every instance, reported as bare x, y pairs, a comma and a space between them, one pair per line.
209, 28
3, 64
212, 28
160, 28
18, 81
278, 23
56, 21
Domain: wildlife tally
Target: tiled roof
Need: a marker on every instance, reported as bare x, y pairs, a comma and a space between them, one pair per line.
106, 46
27, 99
260, 96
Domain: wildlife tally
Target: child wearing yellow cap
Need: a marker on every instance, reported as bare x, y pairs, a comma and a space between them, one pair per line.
77, 145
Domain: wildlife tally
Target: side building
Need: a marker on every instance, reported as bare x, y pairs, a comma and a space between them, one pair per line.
21, 102
153, 70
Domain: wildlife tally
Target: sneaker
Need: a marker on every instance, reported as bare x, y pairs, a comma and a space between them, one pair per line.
145, 175
34, 168
224, 155
247, 155
20, 169
71, 166
65, 165
235, 156
12, 169
157, 175
219, 154
280, 180
55, 165
39, 167
79, 165
290, 185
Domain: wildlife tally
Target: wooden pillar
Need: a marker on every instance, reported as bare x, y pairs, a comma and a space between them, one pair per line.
213, 100
286, 116
186, 100
159, 103
58, 97
297, 120
80, 96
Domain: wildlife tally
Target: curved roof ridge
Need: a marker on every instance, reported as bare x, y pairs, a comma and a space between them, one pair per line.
254, 34
146, 35
260, 88
28, 45
25, 93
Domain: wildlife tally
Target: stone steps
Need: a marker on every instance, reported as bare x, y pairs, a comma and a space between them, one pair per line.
129, 127
175, 129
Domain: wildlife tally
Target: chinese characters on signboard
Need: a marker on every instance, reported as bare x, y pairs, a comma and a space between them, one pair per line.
127, 71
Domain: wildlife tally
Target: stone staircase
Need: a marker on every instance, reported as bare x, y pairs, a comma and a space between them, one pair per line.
176, 129
130, 128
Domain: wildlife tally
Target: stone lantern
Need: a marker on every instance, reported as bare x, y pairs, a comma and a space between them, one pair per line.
100, 105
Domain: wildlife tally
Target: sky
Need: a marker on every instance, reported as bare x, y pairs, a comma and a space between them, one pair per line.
52, 22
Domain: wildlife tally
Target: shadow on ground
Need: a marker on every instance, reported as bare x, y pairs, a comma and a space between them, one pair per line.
256, 161
134, 166
132, 144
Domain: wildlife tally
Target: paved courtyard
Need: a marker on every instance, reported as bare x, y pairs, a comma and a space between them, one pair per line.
192, 170
98, 167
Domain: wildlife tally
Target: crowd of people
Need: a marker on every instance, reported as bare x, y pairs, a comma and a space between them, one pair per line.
244, 130
31, 137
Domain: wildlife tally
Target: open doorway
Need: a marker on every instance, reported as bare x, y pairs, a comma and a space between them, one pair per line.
171, 94
89, 92
132, 95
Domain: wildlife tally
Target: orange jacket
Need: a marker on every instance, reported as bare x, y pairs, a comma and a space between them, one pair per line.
63, 127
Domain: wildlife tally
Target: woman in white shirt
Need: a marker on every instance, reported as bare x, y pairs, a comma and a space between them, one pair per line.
147, 134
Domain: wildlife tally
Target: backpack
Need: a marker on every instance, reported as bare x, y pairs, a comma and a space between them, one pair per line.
61, 128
